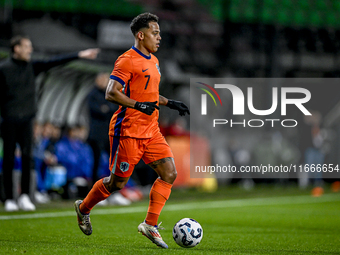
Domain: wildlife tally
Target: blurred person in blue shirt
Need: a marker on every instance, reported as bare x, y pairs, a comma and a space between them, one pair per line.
76, 156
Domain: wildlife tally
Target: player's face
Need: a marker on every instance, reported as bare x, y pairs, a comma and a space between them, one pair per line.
24, 50
152, 37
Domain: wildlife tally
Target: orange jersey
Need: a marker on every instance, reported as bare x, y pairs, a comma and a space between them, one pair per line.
140, 76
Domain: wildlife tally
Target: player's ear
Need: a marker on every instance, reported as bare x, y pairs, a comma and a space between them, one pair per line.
140, 35
17, 48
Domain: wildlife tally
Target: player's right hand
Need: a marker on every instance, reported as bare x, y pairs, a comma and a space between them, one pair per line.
146, 107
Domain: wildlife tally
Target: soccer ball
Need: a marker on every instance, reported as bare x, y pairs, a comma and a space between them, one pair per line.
187, 233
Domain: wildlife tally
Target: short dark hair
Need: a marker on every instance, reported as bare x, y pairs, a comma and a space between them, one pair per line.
142, 21
16, 40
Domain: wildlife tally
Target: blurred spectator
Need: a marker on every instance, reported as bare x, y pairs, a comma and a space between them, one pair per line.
241, 157
77, 157
37, 132
18, 108
46, 161
311, 142
41, 135
101, 112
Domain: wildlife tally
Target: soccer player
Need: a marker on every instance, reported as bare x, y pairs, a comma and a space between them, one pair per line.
134, 132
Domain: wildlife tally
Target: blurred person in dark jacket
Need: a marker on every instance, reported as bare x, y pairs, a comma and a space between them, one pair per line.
101, 112
18, 107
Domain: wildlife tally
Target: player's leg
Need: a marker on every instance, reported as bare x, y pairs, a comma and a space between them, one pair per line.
101, 190
159, 156
121, 169
159, 194
161, 189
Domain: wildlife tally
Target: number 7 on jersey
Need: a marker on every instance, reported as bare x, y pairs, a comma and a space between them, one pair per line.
147, 82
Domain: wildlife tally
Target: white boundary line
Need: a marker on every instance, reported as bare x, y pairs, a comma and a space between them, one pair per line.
189, 206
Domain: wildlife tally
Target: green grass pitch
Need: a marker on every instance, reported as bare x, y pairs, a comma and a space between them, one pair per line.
267, 220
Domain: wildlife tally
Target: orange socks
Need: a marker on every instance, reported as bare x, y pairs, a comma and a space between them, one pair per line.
96, 194
159, 194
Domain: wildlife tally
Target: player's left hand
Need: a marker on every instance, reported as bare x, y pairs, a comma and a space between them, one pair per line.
89, 53
179, 106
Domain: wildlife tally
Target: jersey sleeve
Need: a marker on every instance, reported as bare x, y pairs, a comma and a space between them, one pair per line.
122, 71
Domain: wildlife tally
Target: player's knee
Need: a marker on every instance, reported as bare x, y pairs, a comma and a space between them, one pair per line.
119, 185
170, 176
113, 184
174, 175
112, 188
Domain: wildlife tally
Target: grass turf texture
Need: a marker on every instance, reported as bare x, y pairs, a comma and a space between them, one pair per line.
267, 220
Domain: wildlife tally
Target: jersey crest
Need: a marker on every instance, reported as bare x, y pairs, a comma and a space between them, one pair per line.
124, 166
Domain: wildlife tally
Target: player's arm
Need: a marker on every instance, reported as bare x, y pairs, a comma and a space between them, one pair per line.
175, 105
162, 100
114, 95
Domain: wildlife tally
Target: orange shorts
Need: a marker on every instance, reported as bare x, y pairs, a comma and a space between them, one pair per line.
126, 152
